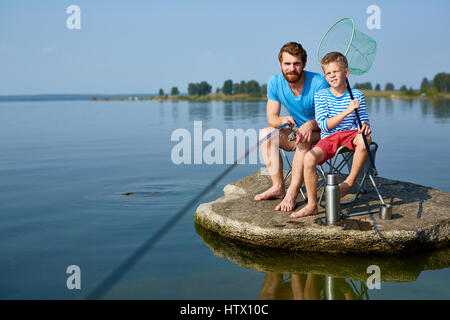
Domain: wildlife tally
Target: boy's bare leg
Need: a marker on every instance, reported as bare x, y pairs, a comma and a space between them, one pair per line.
359, 159
290, 200
274, 164
312, 158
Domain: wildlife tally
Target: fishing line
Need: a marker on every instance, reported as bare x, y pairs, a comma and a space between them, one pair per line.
120, 271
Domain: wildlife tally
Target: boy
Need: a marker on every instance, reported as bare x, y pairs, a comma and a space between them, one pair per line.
338, 124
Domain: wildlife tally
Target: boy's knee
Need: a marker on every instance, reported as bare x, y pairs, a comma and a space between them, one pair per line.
360, 143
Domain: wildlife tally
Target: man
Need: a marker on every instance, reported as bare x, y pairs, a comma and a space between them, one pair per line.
295, 89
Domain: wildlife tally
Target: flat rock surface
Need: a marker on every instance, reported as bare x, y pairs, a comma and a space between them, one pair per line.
420, 220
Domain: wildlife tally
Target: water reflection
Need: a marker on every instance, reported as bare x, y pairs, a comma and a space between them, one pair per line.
228, 111
407, 105
200, 111
310, 286
303, 275
175, 111
439, 108
243, 110
373, 105
389, 106
232, 111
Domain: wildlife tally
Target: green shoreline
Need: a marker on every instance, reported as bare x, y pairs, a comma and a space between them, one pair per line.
247, 97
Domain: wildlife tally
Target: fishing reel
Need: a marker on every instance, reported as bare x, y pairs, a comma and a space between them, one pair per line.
292, 134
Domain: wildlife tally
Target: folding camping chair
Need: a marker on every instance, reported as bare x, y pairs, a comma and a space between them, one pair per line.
345, 157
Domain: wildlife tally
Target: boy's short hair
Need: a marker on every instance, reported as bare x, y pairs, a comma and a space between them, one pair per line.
334, 57
294, 49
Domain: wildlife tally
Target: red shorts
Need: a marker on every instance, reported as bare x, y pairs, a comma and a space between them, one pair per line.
330, 144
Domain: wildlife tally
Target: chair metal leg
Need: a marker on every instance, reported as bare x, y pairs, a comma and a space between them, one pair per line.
361, 186
289, 163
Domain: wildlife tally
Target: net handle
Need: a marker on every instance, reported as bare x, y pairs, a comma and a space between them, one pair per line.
349, 43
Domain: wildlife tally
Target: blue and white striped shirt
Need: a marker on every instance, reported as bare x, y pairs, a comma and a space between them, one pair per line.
327, 105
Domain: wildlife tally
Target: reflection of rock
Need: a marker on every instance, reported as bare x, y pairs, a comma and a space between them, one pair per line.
421, 219
400, 268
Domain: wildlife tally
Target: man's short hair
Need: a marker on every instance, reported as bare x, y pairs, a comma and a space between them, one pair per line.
334, 57
294, 49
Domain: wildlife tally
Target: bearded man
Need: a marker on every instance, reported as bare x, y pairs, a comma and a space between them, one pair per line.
295, 89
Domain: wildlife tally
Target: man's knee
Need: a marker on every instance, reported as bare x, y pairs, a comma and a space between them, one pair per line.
309, 161
265, 132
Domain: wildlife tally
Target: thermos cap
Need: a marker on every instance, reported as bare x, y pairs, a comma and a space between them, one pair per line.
332, 178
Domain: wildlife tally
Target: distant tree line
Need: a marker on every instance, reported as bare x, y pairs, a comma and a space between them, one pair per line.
440, 83
365, 85
199, 89
368, 86
251, 87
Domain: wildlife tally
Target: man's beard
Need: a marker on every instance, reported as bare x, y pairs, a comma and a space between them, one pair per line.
292, 77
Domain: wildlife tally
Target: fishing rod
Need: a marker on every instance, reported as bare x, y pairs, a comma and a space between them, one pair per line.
372, 162
123, 268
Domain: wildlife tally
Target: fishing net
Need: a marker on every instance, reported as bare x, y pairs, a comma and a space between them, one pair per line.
359, 48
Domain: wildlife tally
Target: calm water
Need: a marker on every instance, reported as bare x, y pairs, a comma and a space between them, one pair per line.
64, 167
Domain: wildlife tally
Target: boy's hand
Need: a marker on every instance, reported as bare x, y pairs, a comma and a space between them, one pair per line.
365, 129
354, 105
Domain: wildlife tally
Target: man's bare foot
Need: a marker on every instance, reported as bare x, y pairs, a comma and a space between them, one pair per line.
305, 211
344, 188
288, 203
271, 193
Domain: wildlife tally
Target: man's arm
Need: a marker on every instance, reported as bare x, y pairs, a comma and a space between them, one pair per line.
273, 115
304, 132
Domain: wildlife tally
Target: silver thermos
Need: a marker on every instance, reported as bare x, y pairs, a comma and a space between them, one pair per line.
331, 287
332, 199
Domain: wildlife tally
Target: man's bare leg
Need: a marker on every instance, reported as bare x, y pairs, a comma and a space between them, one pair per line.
312, 158
271, 285
274, 164
290, 200
359, 159
312, 288
298, 286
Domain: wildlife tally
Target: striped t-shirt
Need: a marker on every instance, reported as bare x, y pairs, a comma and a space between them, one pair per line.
327, 105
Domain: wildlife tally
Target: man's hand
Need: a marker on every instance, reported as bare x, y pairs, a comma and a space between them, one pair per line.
304, 133
288, 119
365, 129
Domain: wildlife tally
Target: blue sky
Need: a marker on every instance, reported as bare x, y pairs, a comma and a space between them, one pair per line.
140, 46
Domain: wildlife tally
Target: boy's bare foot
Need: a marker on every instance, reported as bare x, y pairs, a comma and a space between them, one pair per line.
305, 211
288, 203
271, 193
344, 188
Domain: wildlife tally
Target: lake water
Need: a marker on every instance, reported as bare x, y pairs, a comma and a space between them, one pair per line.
65, 165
